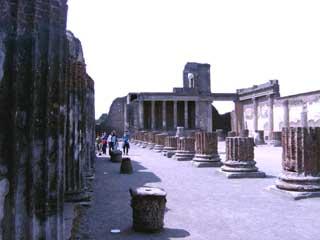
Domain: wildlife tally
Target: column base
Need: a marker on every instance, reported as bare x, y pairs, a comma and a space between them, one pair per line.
291, 181
150, 146
256, 174
168, 151
158, 148
183, 155
293, 194
76, 196
144, 144
170, 154
206, 160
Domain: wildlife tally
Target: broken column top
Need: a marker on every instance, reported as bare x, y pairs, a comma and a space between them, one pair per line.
148, 191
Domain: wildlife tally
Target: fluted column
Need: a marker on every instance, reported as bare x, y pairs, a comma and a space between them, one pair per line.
255, 114
185, 149
270, 116
186, 115
141, 115
239, 161
164, 115
175, 114
160, 141
153, 115
206, 147
286, 120
300, 161
170, 146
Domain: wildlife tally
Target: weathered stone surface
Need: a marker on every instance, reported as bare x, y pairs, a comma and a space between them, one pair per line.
116, 156
35, 83
148, 208
206, 148
180, 132
152, 139
232, 134
126, 166
170, 146
185, 149
240, 159
160, 141
300, 160
244, 133
4, 189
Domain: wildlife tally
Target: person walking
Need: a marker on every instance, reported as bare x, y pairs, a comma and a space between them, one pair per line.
126, 144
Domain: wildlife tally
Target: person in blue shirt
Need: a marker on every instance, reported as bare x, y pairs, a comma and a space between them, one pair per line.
126, 144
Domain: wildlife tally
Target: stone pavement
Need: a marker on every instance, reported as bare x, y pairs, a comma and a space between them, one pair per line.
202, 204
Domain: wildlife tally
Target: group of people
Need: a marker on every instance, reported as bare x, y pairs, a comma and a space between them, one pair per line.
111, 141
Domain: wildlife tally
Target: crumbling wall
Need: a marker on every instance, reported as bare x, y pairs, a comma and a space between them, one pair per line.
116, 116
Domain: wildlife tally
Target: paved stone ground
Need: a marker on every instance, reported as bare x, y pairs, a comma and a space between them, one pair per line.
202, 204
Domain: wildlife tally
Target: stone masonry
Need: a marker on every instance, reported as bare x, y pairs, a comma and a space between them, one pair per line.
185, 149
240, 159
160, 141
300, 160
206, 148
42, 88
170, 146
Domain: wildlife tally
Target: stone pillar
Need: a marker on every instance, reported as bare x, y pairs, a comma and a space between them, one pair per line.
175, 114
240, 159
255, 114
286, 117
185, 149
276, 139
244, 133
151, 140
160, 141
180, 132
206, 147
126, 117
238, 115
164, 115
209, 126
153, 115
186, 115
196, 117
170, 146
300, 162
304, 116
141, 115
270, 116
232, 134
145, 140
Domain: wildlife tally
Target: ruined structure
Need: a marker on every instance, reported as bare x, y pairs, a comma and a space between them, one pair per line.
43, 87
261, 108
185, 149
300, 161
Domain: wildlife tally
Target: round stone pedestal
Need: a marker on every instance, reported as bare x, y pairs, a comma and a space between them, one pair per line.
240, 159
148, 208
126, 166
206, 147
116, 156
185, 149
300, 162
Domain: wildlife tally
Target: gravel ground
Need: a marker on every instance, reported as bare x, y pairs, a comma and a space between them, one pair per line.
202, 204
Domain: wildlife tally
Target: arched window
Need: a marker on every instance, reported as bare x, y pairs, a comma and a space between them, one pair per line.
191, 80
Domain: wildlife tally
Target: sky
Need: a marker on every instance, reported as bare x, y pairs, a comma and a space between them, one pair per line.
143, 45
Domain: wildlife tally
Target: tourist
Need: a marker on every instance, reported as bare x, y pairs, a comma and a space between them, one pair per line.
104, 143
126, 144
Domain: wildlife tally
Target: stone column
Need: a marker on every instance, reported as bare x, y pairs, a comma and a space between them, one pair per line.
300, 162
206, 147
186, 115
141, 115
185, 149
255, 114
238, 114
270, 115
286, 117
125, 116
304, 116
196, 117
153, 115
151, 140
175, 114
170, 146
164, 115
160, 140
209, 126
240, 159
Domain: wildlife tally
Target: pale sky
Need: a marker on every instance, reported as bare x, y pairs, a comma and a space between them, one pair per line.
143, 45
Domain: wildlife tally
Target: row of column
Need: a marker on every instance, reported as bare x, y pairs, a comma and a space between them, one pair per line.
164, 114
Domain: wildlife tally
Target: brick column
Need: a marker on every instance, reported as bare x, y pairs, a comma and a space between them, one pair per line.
255, 114
141, 115
270, 115
286, 120
170, 146
164, 115
206, 147
186, 115
153, 115
300, 161
240, 159
185, 149
160, 140
175, 114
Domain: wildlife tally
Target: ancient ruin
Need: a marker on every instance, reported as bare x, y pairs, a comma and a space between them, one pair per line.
206, 147
47, 119
239, 161
170, 146
185, 149
300, 162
